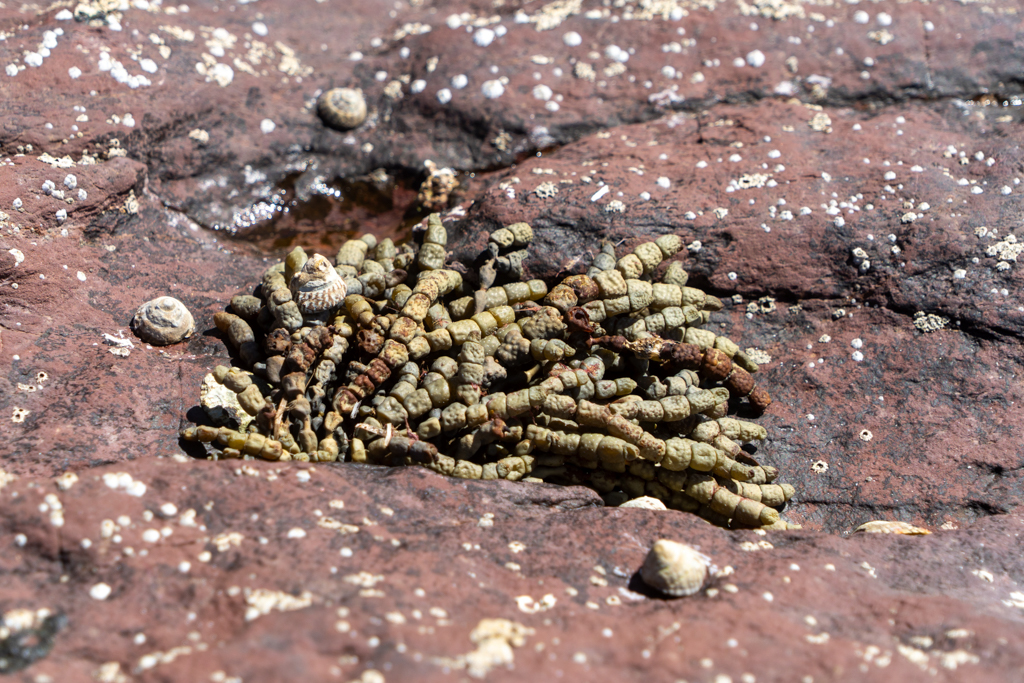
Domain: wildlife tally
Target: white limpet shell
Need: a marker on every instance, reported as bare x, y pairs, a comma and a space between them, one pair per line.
317, 287
675, 569
163, 321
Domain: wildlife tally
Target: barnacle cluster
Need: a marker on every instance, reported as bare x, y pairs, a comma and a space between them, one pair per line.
605, 380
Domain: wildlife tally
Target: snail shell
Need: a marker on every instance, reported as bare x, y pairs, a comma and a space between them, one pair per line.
317, 287
675, 569
163, 321
342, 108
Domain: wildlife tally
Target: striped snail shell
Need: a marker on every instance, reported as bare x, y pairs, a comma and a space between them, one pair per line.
674, 568
163, 321
317, 287
342, 108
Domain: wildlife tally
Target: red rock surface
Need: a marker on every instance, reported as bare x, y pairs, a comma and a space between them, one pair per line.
161, 164
268, 573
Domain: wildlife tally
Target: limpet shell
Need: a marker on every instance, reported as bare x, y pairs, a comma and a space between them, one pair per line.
644, 503
163, 321
675, 569
883, 526
317, 287
342, 108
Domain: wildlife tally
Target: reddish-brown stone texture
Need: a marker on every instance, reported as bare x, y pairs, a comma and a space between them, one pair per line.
267, 573
856, 164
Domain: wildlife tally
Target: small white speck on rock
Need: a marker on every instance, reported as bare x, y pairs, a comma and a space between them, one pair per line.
542, 92
616, 54
492, 89
483, 37
100, 591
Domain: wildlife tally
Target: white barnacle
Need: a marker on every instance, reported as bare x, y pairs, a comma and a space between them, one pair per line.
492, 89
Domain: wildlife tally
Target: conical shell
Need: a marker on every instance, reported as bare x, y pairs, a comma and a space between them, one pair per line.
317, 287
342, 108
675, 569
163, 321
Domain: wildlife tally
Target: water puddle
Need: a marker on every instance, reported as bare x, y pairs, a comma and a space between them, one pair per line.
323, 215
320, 215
